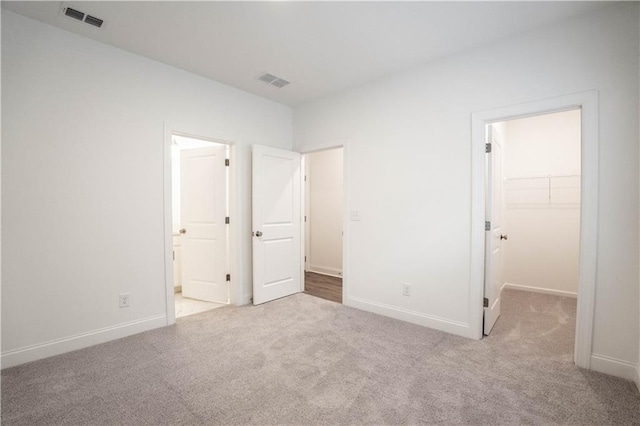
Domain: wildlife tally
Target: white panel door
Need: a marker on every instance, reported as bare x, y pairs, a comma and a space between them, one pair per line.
493, 237
276, 223
203, 209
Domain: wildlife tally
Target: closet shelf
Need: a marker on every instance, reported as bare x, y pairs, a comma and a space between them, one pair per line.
560, 190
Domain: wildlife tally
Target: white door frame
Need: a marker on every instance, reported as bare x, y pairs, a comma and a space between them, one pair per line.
588, 103
306, 215
310, 149
235, 295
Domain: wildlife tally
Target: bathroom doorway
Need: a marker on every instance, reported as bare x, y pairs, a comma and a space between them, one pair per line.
200, 219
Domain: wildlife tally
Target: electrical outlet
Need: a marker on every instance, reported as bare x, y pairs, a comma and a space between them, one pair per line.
355, 215
406, 289
125, 300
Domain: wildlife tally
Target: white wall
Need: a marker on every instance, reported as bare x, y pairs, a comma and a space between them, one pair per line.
543, 145
542, 252
82, 182
324, 174
409, 169
638, 366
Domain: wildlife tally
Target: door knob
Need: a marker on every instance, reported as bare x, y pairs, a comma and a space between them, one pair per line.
258, 234
503, 237
183, 231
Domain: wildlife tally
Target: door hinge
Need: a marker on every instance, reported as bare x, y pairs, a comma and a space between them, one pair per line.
305, 178
485, 302
226, 220
305, 218
174, 255
305, 258
226, 162
487, 226
487, 148
228, 277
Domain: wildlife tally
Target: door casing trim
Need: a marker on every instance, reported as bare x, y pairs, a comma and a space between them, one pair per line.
587, 102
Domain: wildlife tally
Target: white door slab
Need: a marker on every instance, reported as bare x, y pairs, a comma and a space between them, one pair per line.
276, 201
203, 207
494, 236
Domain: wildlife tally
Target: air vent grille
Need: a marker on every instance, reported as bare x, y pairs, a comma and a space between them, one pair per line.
267, 78
273, 80
279, 83
92, 20
75, 14
81, 16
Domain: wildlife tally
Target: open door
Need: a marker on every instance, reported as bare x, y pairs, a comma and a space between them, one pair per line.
494, 229
203, 211
276, 223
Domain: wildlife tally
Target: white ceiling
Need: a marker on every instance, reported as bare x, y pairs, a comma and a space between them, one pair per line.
320, 47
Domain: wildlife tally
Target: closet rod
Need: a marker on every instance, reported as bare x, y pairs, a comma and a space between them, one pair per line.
543, 177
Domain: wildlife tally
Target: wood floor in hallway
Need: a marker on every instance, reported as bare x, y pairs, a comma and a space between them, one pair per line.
323, 286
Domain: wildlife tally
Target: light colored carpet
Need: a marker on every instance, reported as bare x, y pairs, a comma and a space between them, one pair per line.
303, 360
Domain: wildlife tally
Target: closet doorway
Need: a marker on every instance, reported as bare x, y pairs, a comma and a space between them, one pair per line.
323, 223
533, 226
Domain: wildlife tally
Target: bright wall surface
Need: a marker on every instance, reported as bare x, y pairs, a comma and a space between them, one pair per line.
324, 172
543, 226
638, 363
82, 182
409, 170
543, 145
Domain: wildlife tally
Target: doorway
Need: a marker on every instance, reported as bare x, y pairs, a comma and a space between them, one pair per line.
200, 218
323, 223
533, 220
278, 231
587, 102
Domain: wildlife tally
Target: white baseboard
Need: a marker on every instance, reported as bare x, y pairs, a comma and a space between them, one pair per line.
442, 324
56, 347
614, 367
540, 290
332, 272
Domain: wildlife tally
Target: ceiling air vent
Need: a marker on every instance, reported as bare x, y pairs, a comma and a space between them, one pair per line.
267, 78
92, 20
81, 16
72, 13
272, 80
279, 82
